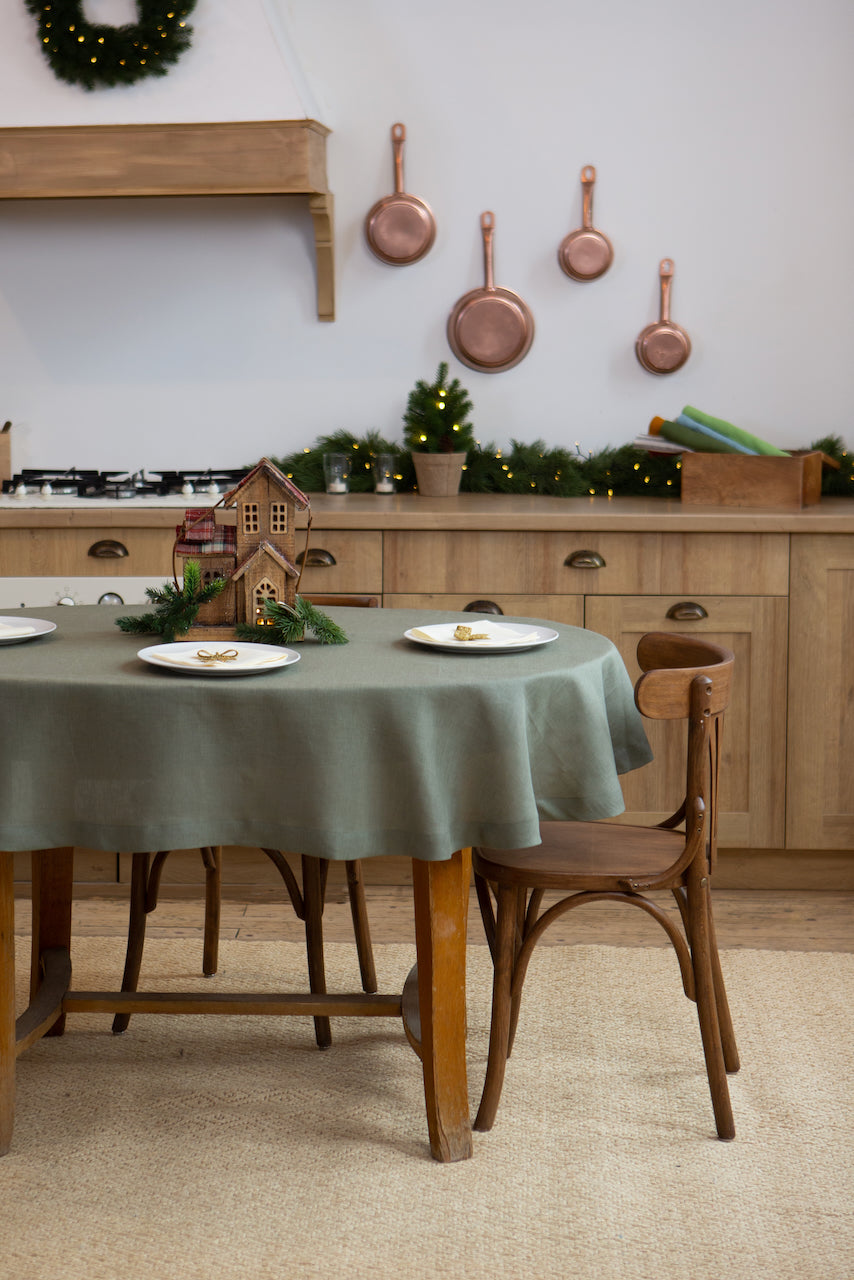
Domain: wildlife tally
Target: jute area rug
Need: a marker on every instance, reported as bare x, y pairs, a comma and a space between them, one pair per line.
228, 1148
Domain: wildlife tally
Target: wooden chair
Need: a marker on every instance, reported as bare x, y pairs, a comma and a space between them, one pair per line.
683, 678
307, 899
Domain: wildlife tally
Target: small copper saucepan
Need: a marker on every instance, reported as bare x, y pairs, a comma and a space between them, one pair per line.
586, 254
400, 228
490, 329
663, 347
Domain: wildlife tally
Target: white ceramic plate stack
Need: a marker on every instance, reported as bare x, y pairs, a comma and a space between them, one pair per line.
491, 637
247, 660
14, 630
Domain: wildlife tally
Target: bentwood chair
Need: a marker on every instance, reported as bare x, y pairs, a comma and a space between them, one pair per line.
307, 898
683, 678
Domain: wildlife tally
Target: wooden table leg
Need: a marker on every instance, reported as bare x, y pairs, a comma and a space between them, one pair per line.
7, 1001
53, 871
441, 892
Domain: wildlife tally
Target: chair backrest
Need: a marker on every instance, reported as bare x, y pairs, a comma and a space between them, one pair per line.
690, 678
356, 602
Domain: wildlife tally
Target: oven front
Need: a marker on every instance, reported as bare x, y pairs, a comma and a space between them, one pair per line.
38, 593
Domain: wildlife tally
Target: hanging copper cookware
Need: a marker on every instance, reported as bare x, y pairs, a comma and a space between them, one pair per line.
663, 347
400, 228
586, 254
490, 329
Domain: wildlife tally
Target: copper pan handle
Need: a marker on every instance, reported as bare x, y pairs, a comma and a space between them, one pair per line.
588, 177
665, 272
398, 137
487, 226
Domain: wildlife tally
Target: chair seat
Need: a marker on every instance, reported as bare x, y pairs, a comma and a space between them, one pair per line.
585, 855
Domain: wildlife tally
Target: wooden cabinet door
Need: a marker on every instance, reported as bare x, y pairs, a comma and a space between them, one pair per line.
821, 693
753, 776
549, 608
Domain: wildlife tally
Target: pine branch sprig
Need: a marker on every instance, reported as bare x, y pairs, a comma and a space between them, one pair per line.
176, 608
290, 624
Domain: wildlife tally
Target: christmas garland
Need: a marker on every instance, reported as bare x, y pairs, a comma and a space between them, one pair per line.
534, 468
94, 55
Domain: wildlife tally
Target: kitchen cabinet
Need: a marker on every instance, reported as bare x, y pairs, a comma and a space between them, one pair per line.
613, 583
777, 587
820, 739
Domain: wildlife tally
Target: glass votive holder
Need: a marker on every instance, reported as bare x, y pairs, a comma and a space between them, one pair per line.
383, 468
336, 472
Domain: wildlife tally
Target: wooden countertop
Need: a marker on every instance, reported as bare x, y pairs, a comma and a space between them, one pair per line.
469, 511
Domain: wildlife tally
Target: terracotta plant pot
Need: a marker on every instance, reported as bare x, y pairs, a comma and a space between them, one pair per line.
438, 474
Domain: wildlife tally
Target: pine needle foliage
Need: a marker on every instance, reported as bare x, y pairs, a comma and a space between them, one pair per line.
176, 608
290, 624
437, 416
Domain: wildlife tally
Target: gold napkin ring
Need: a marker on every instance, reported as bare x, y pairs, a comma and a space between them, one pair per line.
225, 655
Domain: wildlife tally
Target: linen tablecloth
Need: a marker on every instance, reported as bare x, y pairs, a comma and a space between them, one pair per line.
370, 748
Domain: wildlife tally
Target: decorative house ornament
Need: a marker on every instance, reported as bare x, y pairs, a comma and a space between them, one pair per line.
94, 55
256, 557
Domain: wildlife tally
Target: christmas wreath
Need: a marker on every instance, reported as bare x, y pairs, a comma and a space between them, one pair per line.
94, 55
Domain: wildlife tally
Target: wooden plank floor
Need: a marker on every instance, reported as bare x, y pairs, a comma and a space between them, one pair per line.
788, 920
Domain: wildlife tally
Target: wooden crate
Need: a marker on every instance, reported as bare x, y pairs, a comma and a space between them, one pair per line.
742, 480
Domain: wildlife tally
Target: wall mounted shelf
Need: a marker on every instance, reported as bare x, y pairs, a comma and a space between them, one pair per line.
268, 157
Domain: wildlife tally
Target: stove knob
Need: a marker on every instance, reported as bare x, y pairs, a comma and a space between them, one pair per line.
187, 489
46, 490
66, 600
21, 491
212, 489
110, 597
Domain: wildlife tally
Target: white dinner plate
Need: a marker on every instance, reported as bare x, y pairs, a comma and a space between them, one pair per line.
12, 630
499, 637
251, 659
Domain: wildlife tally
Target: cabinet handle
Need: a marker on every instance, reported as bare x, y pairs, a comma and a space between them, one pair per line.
482, 606
687, 611
107, 549
584, 560
315, 557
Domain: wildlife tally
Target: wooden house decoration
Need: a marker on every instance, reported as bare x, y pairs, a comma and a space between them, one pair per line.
256, 555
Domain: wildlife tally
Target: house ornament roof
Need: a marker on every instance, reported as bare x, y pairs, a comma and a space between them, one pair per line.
265, 549
299, 499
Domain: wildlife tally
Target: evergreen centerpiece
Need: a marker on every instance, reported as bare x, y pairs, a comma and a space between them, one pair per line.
438, 433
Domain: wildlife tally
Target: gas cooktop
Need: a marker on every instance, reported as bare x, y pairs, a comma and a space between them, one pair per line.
120, 486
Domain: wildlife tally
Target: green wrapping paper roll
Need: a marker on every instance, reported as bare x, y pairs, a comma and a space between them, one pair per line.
695, 440
733, 433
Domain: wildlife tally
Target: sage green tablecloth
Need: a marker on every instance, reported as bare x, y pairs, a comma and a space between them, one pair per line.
374, 747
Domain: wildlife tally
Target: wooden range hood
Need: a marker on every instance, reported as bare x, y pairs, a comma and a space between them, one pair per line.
268, 157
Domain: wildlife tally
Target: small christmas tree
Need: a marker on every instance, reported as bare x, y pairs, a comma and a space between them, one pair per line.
436, 418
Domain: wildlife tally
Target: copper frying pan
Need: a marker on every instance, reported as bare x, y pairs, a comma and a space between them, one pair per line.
663, 347
400, 228
586, 254
490, 329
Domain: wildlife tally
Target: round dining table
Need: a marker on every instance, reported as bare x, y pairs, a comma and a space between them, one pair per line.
385, 745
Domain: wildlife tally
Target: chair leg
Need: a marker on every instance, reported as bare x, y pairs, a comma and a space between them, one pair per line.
730, 1048
136, 933
707, 1007
499, 1031
361, 927
212, 858
312, 888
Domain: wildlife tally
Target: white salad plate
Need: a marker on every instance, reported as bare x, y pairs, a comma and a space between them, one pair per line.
497, 637
14, 630
249, 659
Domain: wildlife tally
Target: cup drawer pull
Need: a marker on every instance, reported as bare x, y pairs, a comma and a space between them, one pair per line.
482, 606
584, 560
316, 558
687, 611
107, 549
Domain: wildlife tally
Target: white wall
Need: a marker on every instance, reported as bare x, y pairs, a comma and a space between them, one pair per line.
184, 332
